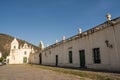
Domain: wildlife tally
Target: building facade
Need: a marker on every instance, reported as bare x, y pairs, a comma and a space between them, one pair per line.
97, 48
19, 54
36, 58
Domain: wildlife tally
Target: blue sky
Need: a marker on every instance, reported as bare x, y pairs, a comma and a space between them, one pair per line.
48, 20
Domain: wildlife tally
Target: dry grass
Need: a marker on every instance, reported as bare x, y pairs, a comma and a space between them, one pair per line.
80, 73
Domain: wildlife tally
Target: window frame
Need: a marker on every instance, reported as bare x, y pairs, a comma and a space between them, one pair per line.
96, 56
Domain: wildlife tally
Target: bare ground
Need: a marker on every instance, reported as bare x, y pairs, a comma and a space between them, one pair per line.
28, 72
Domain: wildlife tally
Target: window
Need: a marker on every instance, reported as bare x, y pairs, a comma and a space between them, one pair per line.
70, 57
14, 47
96, 55
25, 53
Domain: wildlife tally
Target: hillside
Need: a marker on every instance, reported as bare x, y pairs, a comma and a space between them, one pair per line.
5, 41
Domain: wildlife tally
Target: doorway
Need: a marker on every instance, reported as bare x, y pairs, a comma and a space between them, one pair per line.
56, 64
40, 58
82, 58
24, 59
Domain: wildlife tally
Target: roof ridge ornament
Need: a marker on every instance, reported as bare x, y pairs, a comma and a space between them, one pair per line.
56, 41
41, 45
63, 37
108, 17
79, 30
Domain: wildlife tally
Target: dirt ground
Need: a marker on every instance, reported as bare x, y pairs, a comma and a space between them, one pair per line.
28, 72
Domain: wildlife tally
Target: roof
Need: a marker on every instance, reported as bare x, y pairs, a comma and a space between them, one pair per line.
86, 33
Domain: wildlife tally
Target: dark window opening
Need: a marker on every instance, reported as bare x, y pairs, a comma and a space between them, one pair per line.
96, 55
70, 57
14, 47
25, 53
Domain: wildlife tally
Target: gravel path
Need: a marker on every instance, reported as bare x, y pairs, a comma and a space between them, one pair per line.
26, 72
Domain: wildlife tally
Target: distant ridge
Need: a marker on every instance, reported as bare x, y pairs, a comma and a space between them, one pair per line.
5, 43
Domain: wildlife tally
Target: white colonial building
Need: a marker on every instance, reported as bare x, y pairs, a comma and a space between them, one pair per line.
97, 48
19, 54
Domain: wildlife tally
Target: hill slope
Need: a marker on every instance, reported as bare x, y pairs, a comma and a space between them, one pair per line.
5, 43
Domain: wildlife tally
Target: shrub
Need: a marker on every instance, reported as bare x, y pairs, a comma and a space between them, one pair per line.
1, 59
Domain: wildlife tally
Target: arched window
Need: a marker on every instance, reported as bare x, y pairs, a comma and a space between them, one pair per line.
25, 53
14, 47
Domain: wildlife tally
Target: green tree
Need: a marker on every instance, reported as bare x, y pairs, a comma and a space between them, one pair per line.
1, 59
5, 55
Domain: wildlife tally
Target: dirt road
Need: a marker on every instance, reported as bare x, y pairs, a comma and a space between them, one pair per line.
26, 72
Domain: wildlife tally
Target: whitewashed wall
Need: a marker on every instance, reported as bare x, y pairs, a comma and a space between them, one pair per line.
110, 57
